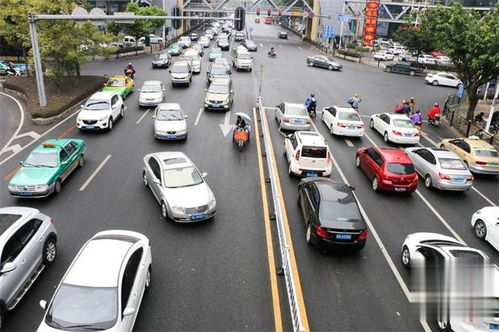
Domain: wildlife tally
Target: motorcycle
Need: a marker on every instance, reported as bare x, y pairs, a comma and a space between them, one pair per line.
14, 72
435, 122
130, 73
271, 54
240, 136
311, 109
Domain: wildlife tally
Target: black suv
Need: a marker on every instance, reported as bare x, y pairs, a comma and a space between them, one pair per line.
403, 68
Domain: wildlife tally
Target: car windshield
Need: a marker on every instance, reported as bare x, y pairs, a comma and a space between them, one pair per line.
151, 88
347, 116
42, 159
162, 56
403, 123
96, 105
219, 88
116, 83
314, 152
182, 177
79, 308
250, 43
180, 69
452, 163
401, 169
484, 152
215, 50
244, 56
174, 46
296, 110
169, 115
218, 70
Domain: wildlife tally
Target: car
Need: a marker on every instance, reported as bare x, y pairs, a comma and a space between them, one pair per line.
28, 244
179, 187
479, 156
257, 20
103, 287
47, 167
152, 93
268, 20
174, 49
443, 60
194, 36
383, 55
192, 55
292, 116
169, 122
324, 62
4, 67
101, 111
241, 59
282, 35
223, 62
389, 169
210, 34
181, 73
396, 49
402, 67
443, 79
123, 85
405, 56
485, 225
199, 48
184, 41
219, 96
250, 45
239, 36
343, 121
152, 38
436, 53
308, 154
217, 71
215, 52
161, 60
426, 59
223, 43
440, 168
331, 214
396, 128
204, 41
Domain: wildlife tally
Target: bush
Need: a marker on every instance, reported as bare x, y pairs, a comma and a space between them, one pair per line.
349, 52
351, 45
130, 49
362, 49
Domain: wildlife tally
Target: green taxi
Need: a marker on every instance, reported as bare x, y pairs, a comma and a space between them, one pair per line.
46, 168
120, 84
174, 49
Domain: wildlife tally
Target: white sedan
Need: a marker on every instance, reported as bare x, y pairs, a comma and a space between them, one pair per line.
485, 223
443, 79
384, 55
344, 121
396, 128
151, 93
169, 122
100, 111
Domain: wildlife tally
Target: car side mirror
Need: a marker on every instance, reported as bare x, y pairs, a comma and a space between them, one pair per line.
164, 89
170, 71
139, 90
8, 267
154, 116
231, 91
128, 311
21, 162
43, 304
157, 181
204, 174
186, 116
289, 136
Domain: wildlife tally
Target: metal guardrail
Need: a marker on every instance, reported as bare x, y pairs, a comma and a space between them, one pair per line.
281, 231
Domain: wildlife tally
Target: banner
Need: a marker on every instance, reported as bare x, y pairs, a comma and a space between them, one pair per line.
370, 22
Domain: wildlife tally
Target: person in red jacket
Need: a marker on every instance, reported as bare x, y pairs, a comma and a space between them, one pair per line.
434, 111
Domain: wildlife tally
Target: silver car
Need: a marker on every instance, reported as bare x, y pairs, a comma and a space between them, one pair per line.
152, 93
292, 116
178, 186
440, 168
27, 245
169, 122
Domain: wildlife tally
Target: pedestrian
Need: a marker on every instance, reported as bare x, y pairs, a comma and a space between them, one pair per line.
354, 101
412, 104
406, 108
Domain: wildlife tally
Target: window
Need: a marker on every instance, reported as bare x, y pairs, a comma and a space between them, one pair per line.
401, 169
293, 141
385, 118
314, 196
19, 240
450, 163
114, 100
374, 155
63, 156
465, 146
314, 152
426, 155
129, 277
154, 165
333, 111
70, 148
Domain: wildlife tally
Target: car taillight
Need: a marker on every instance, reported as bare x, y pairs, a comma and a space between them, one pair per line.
286, 120
363, 235
321, 231
395, 132
443, 176
52, 220
470, 178
417, 134
329, 158
297, 156
342, 125
480, 163
360, 126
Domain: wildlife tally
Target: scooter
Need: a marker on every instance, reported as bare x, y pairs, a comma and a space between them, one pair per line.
271, 54
14, 72
311, 110
240, 137
435, 122
130, 74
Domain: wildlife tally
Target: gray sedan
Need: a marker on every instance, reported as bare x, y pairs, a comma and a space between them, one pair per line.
324, 62
178, 186
292, 116
440, 168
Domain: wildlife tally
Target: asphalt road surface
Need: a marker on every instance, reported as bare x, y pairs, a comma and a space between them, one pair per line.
215, 275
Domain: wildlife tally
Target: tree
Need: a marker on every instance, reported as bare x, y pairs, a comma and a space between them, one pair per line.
471, 39
414, 38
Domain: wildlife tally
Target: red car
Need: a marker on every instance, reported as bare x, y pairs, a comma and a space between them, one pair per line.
389, 169
268, 20
436, 53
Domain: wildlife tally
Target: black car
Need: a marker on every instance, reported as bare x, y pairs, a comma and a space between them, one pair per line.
250, 45
403, 67
331, 214
239, 36
161, 60
283, 35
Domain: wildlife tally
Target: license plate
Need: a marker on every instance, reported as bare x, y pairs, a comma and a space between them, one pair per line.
171, 136
399, 189
215, 105
457, 180
26, 193
312, 174
198, 216
493, 326
351, 127
298, 122
343, 236
408, 135
90, 127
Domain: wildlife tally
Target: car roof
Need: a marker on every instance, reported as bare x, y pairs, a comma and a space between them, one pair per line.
478, 143
172, 159
103, 95
51, 145
345, 109
117, 77
152, 82
181, 63
443, 153
221, 81
397, 116
286, 105
170, 106
332, 191
311, 138
394, 155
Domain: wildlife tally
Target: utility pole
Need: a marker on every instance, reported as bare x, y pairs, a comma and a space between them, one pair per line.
341, 25
42, 98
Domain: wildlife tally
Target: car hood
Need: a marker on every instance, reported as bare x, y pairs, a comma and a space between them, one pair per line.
93, 115
112, 88
160, 61
150, 95
219, 76
217, 96
170, 125
192, 196
180, 75
343, 224
34, 175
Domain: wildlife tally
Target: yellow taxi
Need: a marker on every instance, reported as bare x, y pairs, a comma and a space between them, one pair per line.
480, 156
123, 85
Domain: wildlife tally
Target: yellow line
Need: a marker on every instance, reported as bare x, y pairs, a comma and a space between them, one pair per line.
294, 266
268, 236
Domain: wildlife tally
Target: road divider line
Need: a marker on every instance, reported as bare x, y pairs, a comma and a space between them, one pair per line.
349, 142
67, 131
426, 137
84, 186
483, 196
143, 116
198, 117
21, 122
268, 235
9, 175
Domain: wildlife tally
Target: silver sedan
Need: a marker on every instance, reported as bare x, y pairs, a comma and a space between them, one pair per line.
178, 186
292, 116
440, 168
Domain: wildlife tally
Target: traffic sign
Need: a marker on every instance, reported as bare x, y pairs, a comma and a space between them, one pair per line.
328, 31
343, 18
311, 14
295, 14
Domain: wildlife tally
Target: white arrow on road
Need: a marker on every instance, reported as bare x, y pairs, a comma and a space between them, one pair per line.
226, 127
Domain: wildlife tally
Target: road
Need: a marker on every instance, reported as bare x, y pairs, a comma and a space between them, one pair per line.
215, 275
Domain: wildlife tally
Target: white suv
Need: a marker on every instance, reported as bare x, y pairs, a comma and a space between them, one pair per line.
100, 111
308, 154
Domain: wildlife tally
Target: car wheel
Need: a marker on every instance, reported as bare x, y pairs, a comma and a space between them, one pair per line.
49, 251
371, 124
330, 67
290, 172
375, 184
122, 112
57, 186
405, 257
435, 82
357, 161
311, 63
385, 137
388, 69
442, 146
148, 278
81, 161
480, 229
144, 178
308, 234
331, 129
164, 210
110, 124
412, 73
427, 181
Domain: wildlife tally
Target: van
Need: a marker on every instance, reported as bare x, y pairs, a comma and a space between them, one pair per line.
242, 59
129, 41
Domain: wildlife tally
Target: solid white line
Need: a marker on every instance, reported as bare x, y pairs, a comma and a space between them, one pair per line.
483, 196
425, 135
143, 116
349, 142
261, 45
281, 46
95, 173
300, 48
20, 108
198, 117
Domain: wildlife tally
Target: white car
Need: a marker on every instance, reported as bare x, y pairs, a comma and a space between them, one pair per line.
443, 79
426, 59
204, 41
151, 93
291, 116
185, 41
100, 111
396, 128
343, 121
384, 55
308, 154
169, 122
104, 285
397, 49
192, 55
485, 223
153, 39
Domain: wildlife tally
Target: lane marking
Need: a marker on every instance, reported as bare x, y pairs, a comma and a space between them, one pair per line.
426, 137
268, 235
67, 131
261, 45
301, 48
32, 134
21, 122
281, 46
483, 196
198, 117
11, 173
14, 148
349, 142
95, 173
143, 116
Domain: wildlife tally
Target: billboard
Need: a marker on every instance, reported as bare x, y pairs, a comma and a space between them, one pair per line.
370, 22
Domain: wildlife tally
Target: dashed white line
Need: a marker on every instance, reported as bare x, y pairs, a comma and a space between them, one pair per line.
349, 142
483, 196
198, 117
21, 122
95, 173
143, 116
261, 45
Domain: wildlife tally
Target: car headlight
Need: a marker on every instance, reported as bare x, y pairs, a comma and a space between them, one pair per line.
181, 131
42, 187
103, 119
11, 187
177, 210
212, 203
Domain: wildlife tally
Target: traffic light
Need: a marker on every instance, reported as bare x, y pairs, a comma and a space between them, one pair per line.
240, 16
176, 22
269, 11
258, 10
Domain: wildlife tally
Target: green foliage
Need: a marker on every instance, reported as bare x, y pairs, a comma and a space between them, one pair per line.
141, 27
416, 39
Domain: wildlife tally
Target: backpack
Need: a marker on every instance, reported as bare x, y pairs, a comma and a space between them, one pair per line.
350, 101
399, 108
